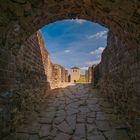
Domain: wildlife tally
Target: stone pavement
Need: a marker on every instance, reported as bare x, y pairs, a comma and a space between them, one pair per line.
74, 113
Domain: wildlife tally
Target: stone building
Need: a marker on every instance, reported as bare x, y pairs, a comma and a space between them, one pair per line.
75, 74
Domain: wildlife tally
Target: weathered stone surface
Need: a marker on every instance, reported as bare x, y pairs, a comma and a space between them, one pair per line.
119, 78
45, 120
71, 120
62, 136
30, 75
98, 137
78, 126
90, 120
78, 138
22, 136
103, 125
120, 61
110, 134
80, 130
59, 119
90, 128
33, 137
102, 116
45, 130
64, 127
121, 135
91, 114
54, 132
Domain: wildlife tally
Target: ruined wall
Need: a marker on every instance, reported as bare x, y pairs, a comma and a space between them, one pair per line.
33, 60
62, 74
88, 75
96, 75
21, 18
120, 77
58, 75
66, 75
24, 80
46, 60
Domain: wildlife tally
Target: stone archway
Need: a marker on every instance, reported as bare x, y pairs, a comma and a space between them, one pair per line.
19, 19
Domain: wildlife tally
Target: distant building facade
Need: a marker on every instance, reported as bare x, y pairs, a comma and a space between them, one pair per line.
75, 74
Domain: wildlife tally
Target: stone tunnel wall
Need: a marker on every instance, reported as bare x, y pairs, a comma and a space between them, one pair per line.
22, 79
119, 76
26, 77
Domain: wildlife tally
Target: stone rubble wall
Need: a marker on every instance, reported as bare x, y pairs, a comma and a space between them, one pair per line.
25, 78
21, 18
95, 75
59, 76
66, 75
88, 74
118, 75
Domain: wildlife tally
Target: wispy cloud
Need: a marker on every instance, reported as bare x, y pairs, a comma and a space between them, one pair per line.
93, 62
68, 44
67, 51
84, 68
97, 56
78, 21
98, 51
101, 34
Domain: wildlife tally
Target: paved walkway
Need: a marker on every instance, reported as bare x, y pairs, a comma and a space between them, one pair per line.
74, 113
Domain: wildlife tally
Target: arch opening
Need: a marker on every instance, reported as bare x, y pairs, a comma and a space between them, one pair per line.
119, 68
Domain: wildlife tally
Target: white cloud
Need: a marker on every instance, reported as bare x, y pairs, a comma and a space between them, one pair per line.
93, 62
67, 51
78, 21
97, 55
84, 68
101, 34
97, 51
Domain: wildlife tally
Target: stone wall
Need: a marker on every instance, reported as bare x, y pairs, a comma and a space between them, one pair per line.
25, 78
119, 75
46, 60
21, 18
66, 75
58, 76
88, 74
96, 75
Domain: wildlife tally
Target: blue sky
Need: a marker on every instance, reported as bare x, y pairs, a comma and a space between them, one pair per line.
75, 42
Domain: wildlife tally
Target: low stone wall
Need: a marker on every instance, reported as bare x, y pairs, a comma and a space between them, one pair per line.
119, 74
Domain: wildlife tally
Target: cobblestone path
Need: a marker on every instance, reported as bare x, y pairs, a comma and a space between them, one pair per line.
74, 113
